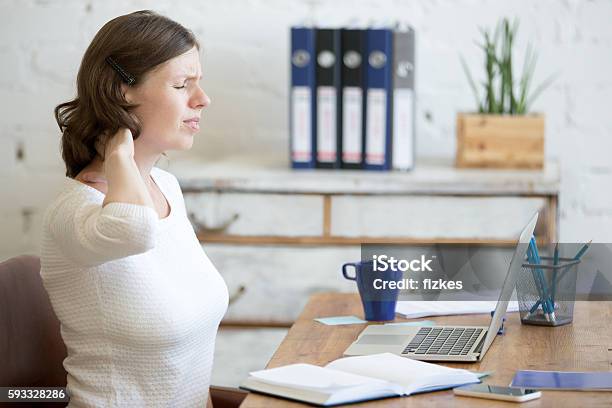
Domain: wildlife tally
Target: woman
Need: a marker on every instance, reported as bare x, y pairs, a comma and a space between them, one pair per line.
138, 300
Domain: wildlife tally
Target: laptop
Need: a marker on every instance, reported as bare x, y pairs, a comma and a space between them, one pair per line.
445, 343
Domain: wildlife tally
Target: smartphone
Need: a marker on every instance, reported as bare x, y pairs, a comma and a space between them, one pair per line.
498, 393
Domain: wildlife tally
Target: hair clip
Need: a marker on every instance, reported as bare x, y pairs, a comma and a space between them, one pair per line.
127, 78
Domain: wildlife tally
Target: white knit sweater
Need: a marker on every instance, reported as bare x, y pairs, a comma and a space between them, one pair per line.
138, 300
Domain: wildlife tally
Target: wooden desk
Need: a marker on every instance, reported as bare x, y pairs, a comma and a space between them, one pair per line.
584, 345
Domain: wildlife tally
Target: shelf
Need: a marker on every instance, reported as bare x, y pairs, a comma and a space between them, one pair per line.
430, 177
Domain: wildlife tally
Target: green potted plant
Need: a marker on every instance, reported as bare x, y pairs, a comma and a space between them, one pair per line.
502, 133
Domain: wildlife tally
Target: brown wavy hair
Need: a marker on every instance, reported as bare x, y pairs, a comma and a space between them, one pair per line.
137, 43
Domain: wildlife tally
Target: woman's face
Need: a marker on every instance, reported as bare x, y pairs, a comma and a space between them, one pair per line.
170, 103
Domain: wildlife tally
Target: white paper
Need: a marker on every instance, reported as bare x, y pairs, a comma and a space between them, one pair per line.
414, 309
403, 127
352, 117
308, 376
301, 124
412, 375
376, 126
326, 123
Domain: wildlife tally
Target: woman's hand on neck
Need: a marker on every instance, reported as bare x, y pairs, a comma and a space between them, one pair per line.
118, 174
122, 144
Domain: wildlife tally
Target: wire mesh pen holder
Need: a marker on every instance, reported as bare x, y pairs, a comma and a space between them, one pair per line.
546, 292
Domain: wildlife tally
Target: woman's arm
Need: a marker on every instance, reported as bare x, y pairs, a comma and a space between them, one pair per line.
124, 225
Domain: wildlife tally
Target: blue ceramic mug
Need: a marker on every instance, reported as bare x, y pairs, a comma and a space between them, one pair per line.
378, 299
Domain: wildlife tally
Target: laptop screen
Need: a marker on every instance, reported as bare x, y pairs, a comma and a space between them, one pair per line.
510, 282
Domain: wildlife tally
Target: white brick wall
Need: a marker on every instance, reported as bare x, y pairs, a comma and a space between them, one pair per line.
245, 44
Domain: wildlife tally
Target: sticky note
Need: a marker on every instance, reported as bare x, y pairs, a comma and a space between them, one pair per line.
337, 320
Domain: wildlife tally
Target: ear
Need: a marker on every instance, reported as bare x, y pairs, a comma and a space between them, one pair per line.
128, 93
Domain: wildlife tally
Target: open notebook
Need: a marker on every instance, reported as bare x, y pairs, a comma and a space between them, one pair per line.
354, 379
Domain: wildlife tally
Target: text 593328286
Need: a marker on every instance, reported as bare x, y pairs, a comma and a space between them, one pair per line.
33, 394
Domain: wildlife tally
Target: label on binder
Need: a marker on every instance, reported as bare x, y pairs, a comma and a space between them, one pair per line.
301, 102
352, 105
326, 123
376, 126
403, 100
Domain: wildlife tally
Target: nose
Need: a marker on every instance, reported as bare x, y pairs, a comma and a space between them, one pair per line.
199, 99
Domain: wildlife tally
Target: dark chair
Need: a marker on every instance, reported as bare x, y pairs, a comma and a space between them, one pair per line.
31, 346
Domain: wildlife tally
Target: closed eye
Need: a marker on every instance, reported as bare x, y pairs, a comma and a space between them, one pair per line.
188, 80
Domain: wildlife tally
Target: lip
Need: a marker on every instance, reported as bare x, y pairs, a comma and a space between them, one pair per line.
193, 123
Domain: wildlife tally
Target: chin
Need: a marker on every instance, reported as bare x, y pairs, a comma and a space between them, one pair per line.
186, 143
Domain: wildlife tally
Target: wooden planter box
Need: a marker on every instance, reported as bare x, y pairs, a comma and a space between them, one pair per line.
500, 141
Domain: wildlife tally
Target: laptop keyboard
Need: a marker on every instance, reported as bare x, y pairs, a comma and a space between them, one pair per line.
453, 341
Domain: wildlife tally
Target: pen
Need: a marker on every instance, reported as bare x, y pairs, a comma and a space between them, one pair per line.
582, 250
533, 260
545, 297
540, 282
554, 276
576, 258
535, 280
537, 283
